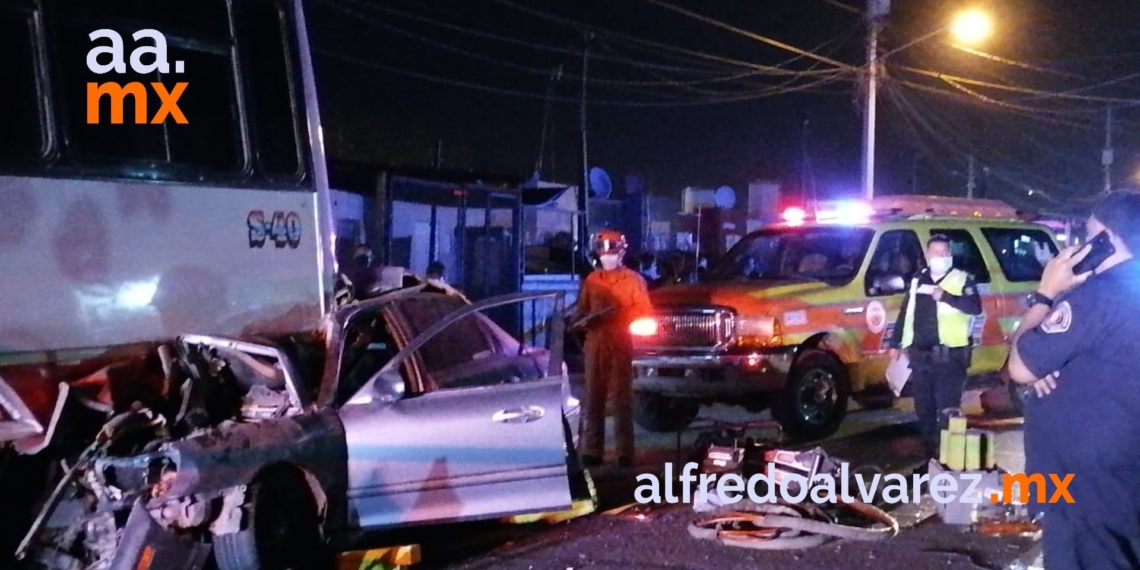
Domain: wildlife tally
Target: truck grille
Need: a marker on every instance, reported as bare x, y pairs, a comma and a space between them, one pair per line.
698, 329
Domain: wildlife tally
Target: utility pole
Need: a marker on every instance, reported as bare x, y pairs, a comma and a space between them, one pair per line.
584, 187
877, 11
971, 181
1106, 156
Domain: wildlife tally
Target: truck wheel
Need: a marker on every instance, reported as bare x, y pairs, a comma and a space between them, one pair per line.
657, 413
284, 528
814, 402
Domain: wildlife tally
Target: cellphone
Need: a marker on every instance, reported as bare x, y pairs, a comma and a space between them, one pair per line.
1100, 249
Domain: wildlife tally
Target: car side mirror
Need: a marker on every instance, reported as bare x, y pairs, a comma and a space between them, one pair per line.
388, 386
384, 387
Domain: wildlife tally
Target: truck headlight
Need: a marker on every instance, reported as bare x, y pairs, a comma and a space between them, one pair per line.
645, 326
758, 331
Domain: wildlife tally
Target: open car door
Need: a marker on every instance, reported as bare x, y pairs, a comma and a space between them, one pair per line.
464, 422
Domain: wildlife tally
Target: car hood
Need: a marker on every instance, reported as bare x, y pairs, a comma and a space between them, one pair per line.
739, 295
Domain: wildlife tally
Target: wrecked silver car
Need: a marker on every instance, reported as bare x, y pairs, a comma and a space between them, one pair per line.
411, 408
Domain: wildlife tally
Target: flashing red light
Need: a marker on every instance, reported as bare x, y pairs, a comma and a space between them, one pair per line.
795, 215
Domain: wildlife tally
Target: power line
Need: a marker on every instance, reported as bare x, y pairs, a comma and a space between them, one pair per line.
516, 93
516, 41
1014, 89
751, 35
773, 70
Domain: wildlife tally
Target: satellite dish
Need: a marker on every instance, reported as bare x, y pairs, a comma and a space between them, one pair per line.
600, 183
724, 198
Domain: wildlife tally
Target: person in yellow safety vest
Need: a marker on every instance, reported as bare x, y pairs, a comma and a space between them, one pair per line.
933, 328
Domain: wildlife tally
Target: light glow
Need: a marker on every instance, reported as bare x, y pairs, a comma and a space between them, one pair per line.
795, 216
136, 295
645, 326
971, 27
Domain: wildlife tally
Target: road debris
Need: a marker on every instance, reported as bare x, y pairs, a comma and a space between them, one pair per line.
762, 526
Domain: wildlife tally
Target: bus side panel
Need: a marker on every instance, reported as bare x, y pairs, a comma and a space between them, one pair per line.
97, 264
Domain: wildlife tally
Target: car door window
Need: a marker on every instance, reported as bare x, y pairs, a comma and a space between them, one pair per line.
898, 254
451, 358
473, 351
967, 256
1021, 252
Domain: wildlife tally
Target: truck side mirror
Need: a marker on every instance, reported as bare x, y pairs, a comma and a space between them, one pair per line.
889, 284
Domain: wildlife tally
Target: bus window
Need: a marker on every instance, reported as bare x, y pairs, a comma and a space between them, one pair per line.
212, 137
270, 96
20, 112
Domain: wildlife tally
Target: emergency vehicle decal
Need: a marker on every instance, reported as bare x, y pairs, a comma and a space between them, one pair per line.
876, 317
977, 327
795, 318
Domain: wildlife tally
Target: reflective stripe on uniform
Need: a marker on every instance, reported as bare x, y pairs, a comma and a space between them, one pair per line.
953, 325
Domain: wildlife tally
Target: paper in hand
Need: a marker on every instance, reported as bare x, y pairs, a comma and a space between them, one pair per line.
926, 289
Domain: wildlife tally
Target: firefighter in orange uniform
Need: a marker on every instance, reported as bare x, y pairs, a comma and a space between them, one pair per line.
610, 300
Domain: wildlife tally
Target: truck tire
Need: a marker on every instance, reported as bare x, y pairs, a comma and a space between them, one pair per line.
814, 402
284, 528
662, 414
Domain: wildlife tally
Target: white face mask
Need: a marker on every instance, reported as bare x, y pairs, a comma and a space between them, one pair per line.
610, 260
941, 265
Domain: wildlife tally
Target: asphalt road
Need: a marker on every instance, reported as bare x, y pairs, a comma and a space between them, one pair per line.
656, 537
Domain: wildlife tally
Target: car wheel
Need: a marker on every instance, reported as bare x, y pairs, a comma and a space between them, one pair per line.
814, 402
657, 413
284, 528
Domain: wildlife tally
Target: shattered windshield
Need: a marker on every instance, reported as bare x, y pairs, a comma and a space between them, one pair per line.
832, 254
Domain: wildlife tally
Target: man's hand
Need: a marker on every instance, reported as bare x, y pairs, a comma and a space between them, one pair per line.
1058, 276
937, 293
895, 354
1046, 385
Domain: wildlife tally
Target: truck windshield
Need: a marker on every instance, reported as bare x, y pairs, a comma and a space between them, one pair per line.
831, 254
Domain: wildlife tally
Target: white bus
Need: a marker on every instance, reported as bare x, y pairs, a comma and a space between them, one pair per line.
112, 234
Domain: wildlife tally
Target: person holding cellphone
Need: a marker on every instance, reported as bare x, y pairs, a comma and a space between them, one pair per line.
1077, 346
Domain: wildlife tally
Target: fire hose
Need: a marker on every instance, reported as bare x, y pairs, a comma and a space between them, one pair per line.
761, 526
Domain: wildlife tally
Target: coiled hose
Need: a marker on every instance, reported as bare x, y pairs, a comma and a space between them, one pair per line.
763, 526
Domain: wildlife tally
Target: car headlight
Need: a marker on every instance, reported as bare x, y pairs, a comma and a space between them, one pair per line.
755, 331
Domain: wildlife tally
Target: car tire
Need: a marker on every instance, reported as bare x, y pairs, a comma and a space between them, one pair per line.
284, 528
663, 414
814, 402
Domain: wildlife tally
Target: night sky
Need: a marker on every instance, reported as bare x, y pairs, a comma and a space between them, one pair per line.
683, 102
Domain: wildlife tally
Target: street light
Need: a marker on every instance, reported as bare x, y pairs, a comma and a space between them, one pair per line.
969, 27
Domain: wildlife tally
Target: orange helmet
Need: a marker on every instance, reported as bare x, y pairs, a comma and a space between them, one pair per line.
609, 241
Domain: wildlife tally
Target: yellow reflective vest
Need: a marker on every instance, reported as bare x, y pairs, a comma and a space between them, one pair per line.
953, 325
